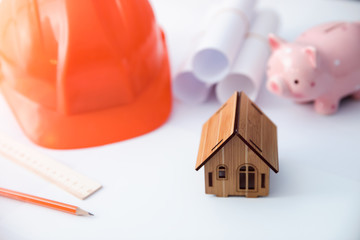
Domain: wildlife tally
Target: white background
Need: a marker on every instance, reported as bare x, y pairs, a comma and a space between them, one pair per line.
151, 190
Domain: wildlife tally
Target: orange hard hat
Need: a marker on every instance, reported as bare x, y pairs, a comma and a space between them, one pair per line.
83, 73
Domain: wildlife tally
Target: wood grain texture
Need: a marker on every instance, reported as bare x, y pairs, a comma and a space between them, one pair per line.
238, 147
258, 131
234, 155
216, 131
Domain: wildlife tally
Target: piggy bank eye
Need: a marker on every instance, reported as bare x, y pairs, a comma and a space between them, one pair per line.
296, 81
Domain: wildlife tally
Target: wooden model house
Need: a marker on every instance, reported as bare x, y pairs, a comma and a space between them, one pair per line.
238, 147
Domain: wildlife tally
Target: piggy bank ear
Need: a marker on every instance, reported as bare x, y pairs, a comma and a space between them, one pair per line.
275, 42
312, 55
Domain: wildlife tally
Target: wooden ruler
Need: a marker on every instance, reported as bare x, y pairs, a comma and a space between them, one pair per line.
51, 170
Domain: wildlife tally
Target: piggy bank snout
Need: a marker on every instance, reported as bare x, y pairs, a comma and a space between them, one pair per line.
277, 86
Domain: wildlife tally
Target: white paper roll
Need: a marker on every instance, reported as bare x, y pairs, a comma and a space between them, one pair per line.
248, 70
188, 88
216, 52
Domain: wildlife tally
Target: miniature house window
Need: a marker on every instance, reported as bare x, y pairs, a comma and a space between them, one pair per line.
247, 178
221, 172
242, 178
210, 179
263, 180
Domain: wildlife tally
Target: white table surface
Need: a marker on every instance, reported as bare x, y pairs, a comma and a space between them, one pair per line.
151, 190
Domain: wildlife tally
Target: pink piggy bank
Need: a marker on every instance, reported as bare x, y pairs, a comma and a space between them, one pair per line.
322, 65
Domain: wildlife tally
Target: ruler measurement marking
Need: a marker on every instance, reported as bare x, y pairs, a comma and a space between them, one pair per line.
51, 170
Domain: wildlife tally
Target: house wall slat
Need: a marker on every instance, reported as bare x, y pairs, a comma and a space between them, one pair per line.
234, 154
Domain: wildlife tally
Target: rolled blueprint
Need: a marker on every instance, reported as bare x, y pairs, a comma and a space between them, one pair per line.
248, 70
188, 88
216, 52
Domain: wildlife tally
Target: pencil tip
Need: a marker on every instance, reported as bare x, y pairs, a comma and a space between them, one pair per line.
81, 212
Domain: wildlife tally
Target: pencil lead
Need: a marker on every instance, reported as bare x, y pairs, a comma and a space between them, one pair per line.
90, 214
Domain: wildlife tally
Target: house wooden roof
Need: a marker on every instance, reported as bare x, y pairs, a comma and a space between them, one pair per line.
239, 116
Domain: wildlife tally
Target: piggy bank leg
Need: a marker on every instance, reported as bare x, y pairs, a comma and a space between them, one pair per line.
326, 106
356, 95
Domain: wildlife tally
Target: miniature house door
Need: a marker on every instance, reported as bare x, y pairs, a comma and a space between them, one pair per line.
247, 178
